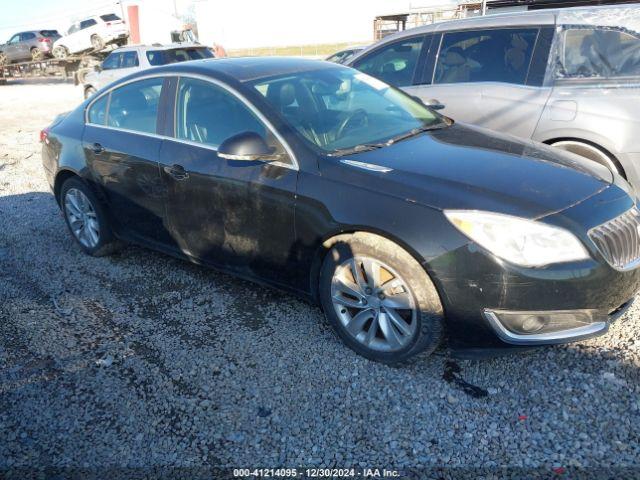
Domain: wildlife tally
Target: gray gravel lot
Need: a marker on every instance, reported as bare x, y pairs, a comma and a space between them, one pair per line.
140, 360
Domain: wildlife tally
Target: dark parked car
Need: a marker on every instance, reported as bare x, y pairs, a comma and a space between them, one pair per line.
343, 56
23, 46
319, 179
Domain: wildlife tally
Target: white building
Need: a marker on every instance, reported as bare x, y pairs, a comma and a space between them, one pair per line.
239, 24
155, 20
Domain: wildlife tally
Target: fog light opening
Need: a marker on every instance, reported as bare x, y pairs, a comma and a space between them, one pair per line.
534, 323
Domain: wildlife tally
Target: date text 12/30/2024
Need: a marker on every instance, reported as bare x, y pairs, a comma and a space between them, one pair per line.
315, 473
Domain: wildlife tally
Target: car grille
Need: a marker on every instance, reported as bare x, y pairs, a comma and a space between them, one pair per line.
619, 239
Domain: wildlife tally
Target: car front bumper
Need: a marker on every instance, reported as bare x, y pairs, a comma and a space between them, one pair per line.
573, 328
491, 304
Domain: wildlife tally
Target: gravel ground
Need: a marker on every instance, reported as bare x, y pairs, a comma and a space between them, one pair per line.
139, 360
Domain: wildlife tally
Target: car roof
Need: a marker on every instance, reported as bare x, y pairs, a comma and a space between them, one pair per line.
244, 69
171, 46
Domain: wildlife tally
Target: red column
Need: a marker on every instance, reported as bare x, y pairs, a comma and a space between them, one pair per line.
134, 24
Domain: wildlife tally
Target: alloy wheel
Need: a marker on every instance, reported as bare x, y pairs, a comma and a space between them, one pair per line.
60, 52
36, 54
3, 59
82, 218
97, 43
374, 304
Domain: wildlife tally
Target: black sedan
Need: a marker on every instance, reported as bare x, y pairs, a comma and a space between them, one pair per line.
319, 179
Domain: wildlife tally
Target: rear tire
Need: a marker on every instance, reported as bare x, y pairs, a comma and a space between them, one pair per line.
88, 92
97, 43
86, 219
392, 316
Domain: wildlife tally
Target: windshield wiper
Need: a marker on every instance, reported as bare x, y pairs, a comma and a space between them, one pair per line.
415, 131
364, 147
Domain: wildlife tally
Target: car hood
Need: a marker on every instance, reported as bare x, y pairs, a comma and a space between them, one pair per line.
465, 167
91, 77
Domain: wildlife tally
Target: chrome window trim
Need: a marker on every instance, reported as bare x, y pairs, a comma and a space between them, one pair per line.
292, 166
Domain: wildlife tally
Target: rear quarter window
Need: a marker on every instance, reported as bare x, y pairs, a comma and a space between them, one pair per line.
598, 53
98, 111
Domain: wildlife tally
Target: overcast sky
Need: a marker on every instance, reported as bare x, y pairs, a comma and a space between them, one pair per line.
18, 15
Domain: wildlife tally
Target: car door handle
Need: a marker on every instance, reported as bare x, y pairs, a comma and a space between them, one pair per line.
97, 148
177, 171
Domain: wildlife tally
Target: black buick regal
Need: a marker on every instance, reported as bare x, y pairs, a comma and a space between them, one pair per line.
403, 225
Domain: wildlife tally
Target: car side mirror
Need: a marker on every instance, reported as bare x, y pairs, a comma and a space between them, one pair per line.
247, 147
434, 104
97, 68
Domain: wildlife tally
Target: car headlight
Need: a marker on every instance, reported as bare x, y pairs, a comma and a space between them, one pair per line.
518, 240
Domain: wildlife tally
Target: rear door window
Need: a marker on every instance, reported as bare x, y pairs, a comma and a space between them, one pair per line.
27, 36
129, 59
598, 53
394, 63
87, 23
49, 33
496, 55
135, 106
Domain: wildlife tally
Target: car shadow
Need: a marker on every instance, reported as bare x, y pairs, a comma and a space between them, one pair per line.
142, 338
46, 80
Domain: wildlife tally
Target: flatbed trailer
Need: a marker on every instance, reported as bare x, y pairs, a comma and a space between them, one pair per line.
75, 67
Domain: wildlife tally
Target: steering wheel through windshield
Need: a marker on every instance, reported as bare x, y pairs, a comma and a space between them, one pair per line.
357, 118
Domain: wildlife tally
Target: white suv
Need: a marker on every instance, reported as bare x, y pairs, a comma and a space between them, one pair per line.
92, 33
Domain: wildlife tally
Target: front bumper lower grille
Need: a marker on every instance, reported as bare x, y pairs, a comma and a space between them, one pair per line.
618, 240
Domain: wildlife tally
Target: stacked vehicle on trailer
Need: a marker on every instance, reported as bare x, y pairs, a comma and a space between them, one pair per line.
46, 52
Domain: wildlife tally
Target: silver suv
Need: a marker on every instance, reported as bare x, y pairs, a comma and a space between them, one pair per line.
126, 60
569, 77
32, 45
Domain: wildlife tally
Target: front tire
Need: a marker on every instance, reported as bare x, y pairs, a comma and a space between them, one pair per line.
3, 60
60, 52
380, 300
86, 219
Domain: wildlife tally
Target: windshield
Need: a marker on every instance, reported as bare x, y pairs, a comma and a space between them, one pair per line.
341, 108
163, 57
